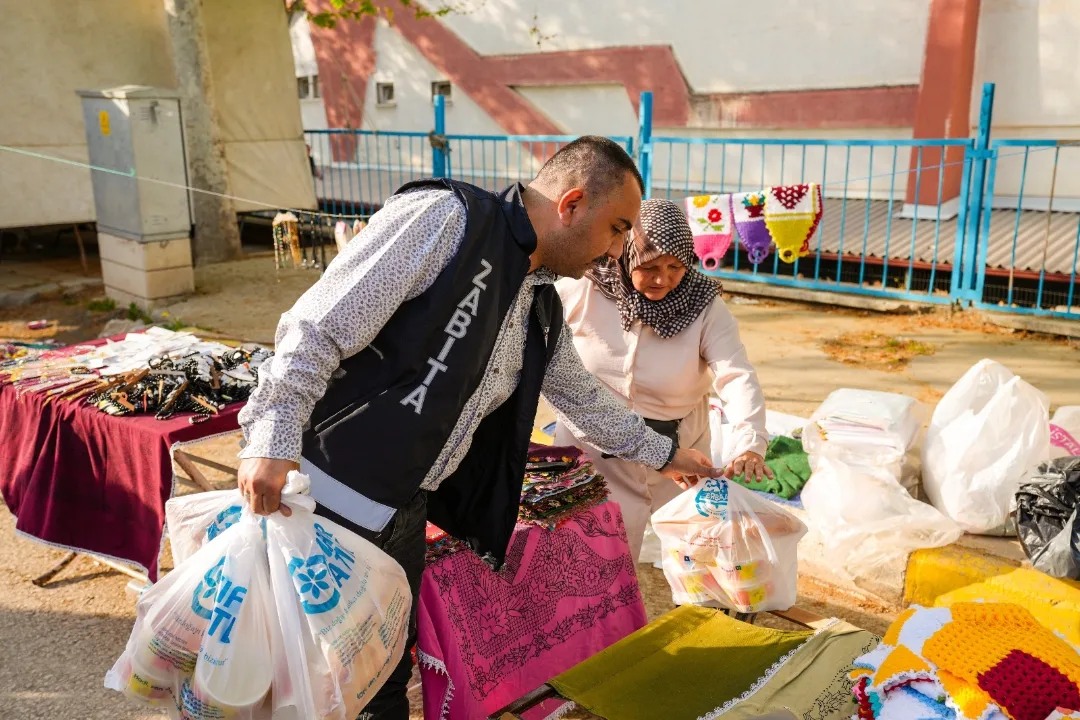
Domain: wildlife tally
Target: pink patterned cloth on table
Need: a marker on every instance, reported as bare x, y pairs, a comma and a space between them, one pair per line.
484, 639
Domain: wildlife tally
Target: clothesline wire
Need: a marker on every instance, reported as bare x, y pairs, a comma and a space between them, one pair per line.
191, 188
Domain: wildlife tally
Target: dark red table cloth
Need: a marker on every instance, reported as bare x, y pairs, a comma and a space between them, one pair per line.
77, 478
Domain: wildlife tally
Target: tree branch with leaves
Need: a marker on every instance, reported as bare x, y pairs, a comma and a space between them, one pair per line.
329, 13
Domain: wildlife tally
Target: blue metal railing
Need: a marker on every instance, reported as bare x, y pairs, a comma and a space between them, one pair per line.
356, 170
496, 162
872, 239
1029, 239
914, 219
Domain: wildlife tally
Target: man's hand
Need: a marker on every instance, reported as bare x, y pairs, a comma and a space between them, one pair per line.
261, 481
749, 465
687, 466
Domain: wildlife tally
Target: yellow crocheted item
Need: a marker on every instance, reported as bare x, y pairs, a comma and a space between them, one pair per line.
985, 656
892, 635
901, 665
981, 635
792, 213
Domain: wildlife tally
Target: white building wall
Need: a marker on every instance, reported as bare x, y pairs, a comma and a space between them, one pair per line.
51, 48
721, 45
1029, 49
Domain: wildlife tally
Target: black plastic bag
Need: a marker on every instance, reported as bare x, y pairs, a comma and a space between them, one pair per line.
1048, 518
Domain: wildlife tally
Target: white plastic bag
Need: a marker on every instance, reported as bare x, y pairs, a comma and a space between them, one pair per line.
870, 418
200, 644
866, 519
287, 618
905, 466
989, 434
724, 546
235, 668
193, 520
863, 426
722, 441
343, 607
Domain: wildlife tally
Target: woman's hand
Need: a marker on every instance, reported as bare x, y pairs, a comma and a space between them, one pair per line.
749, 465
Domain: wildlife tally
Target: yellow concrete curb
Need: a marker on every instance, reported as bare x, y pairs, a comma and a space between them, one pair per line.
934, 572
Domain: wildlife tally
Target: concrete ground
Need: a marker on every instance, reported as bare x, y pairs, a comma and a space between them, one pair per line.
59, 640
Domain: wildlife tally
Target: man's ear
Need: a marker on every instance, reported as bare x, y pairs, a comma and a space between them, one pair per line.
569, 203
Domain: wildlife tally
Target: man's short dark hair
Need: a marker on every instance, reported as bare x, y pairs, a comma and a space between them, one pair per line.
595, 163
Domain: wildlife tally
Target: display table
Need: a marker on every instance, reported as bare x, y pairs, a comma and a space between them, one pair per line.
486, 638
79, 479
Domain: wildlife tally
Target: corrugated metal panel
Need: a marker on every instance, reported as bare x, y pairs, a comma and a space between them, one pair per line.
847, 228
1033, 239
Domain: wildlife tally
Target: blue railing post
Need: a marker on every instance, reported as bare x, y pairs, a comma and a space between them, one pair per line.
644, 145
967, 275
438, 153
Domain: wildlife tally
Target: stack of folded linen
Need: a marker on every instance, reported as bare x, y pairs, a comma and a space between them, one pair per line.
558, 482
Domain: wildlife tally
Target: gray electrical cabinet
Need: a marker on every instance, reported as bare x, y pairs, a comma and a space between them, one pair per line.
135, 139
134, 134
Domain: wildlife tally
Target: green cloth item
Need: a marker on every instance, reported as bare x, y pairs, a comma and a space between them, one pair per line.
682, 665
790, 465
813, 683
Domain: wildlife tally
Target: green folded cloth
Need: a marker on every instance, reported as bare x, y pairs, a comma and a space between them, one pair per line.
684, 664
790, 465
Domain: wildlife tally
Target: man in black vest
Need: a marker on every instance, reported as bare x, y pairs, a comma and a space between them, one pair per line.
406, 380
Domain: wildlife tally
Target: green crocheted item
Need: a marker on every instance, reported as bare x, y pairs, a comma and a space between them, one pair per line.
790, 465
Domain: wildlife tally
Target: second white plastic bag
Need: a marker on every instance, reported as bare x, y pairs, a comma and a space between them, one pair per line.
343, 607
988, 435
725, 547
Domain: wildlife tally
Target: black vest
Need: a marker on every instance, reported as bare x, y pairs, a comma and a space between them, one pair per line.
389, 410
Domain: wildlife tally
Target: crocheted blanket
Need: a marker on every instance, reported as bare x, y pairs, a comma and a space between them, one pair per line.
971, 661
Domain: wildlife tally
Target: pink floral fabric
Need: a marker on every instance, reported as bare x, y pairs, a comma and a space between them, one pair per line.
484, 639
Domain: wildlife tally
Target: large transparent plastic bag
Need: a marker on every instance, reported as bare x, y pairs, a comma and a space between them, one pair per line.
724, 546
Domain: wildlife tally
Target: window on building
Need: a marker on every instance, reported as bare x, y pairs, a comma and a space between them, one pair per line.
307, 87
384, 93
440, 87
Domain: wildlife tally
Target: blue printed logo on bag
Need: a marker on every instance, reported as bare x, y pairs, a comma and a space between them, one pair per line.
319, 578
712, 499
218, 599
224, 520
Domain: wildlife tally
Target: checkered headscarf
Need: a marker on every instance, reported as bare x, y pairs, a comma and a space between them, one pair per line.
662, 230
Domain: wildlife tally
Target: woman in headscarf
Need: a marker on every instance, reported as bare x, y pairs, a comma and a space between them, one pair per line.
655, 331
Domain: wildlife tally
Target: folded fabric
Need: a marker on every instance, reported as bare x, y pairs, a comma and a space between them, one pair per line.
710, 223
683, 665
810, 682
981, 660
558, 482
748, 217
792, 214
790, 465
